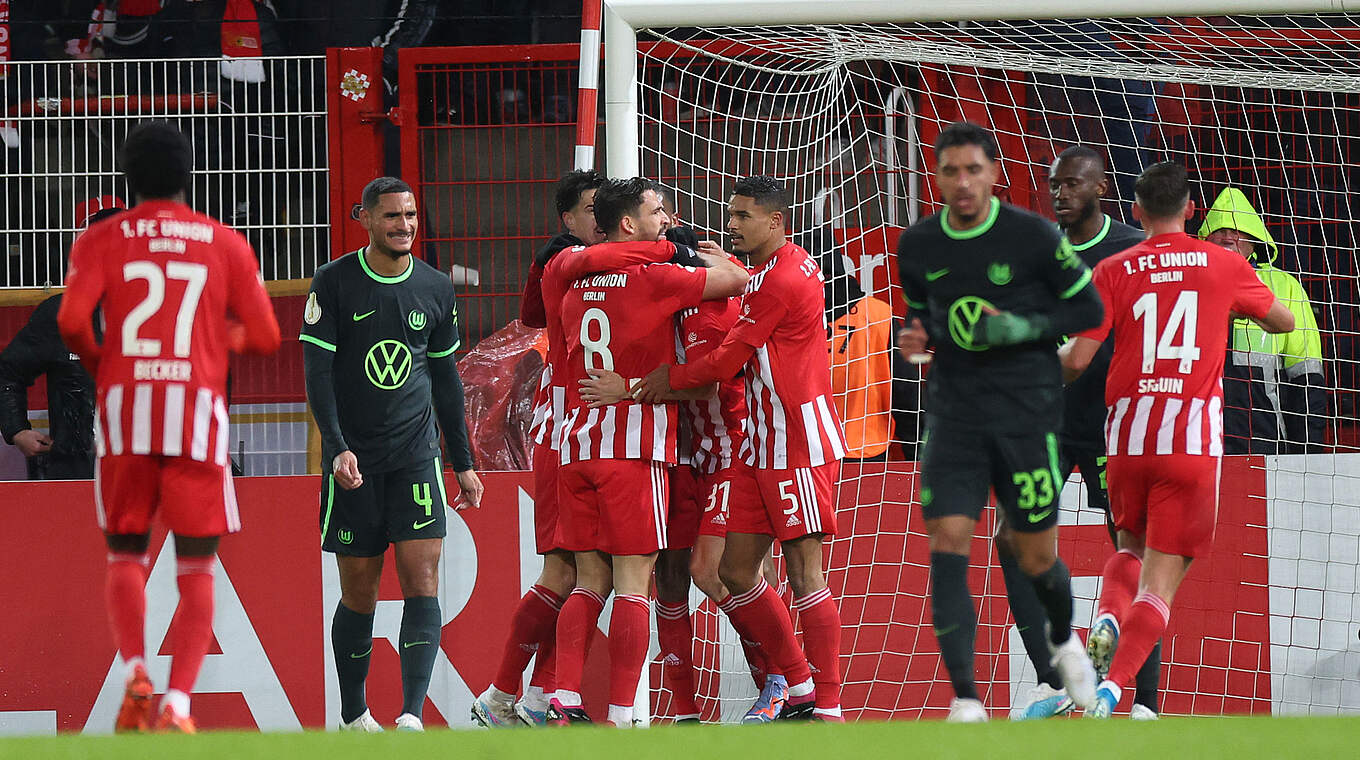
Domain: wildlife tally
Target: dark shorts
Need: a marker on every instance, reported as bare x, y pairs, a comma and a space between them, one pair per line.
1091, 465
405, 504
958, 465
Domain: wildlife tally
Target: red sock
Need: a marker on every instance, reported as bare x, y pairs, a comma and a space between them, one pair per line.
629, 636
1139, 630
192, 625
755, 660
535, 619
125, 594
760, 616
576, 626
676, 636
545, 664
1119, 582
822, 641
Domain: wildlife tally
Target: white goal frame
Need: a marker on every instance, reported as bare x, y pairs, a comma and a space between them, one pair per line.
622, 19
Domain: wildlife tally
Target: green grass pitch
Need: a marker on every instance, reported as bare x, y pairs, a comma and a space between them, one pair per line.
1169, 739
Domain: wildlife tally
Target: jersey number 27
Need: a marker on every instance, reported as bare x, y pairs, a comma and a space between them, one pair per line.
195, 276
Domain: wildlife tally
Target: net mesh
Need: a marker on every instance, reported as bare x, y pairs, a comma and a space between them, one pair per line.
846, 115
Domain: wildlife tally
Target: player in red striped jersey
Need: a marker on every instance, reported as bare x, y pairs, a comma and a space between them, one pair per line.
178, 291
790, 458
533, 625
612, 488
1168, 301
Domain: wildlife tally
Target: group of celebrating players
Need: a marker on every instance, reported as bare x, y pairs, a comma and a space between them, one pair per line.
684, 422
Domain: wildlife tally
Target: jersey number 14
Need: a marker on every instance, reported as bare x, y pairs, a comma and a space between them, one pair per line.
1183, 319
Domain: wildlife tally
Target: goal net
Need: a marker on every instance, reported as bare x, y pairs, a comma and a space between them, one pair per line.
846, 114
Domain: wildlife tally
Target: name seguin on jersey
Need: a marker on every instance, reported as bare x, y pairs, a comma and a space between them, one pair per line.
1161, 385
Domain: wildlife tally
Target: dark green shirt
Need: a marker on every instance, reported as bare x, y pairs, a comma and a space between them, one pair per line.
383, 332
1084, 399
1014, 261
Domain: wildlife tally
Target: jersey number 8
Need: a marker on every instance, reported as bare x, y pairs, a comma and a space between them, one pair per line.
598, 355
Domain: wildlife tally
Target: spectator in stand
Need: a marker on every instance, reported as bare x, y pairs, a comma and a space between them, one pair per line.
66, 452
1274, 392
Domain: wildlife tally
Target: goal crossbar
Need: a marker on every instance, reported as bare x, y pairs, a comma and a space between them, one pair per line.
622, 19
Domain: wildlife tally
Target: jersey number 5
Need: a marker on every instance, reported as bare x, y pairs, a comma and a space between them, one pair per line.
1183, 318
595, 339
195, 276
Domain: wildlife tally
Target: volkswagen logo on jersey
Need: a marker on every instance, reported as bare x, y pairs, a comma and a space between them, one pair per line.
964, 315
388, 364
416, 320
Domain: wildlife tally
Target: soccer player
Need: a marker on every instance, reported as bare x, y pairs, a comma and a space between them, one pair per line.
1168, 302
1077, 183
994, 287
699, 499
533, 627
165, 278
612, 487
380, 328
783, 487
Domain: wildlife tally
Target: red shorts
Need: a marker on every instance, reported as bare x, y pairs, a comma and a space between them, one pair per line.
786, 504
192, 498
682, 519
716, 492
616, 506
545, 498
1172, 501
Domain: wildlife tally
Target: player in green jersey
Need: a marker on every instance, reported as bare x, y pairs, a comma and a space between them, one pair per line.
992, 287
379, 332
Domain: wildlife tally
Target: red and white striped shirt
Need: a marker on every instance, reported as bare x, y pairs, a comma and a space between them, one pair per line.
1168, 301
166, 278
791, 420
717, 423
622, 321
558, 274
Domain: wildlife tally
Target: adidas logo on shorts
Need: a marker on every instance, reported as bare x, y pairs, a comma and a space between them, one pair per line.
671, 660
720, 520
793, 520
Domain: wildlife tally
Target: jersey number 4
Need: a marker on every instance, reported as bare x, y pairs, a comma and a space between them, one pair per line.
1183, 318
195, 276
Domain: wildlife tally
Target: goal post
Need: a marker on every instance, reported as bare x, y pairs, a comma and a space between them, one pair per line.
622, 19
842, 101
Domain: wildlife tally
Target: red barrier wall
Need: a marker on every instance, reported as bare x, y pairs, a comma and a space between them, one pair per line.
275, 587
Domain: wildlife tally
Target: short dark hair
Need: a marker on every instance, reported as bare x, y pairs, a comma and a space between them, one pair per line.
1162, 189
966, 133
573, 185
617, 198
382, 186
157, 159
1083, 153
768, 192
